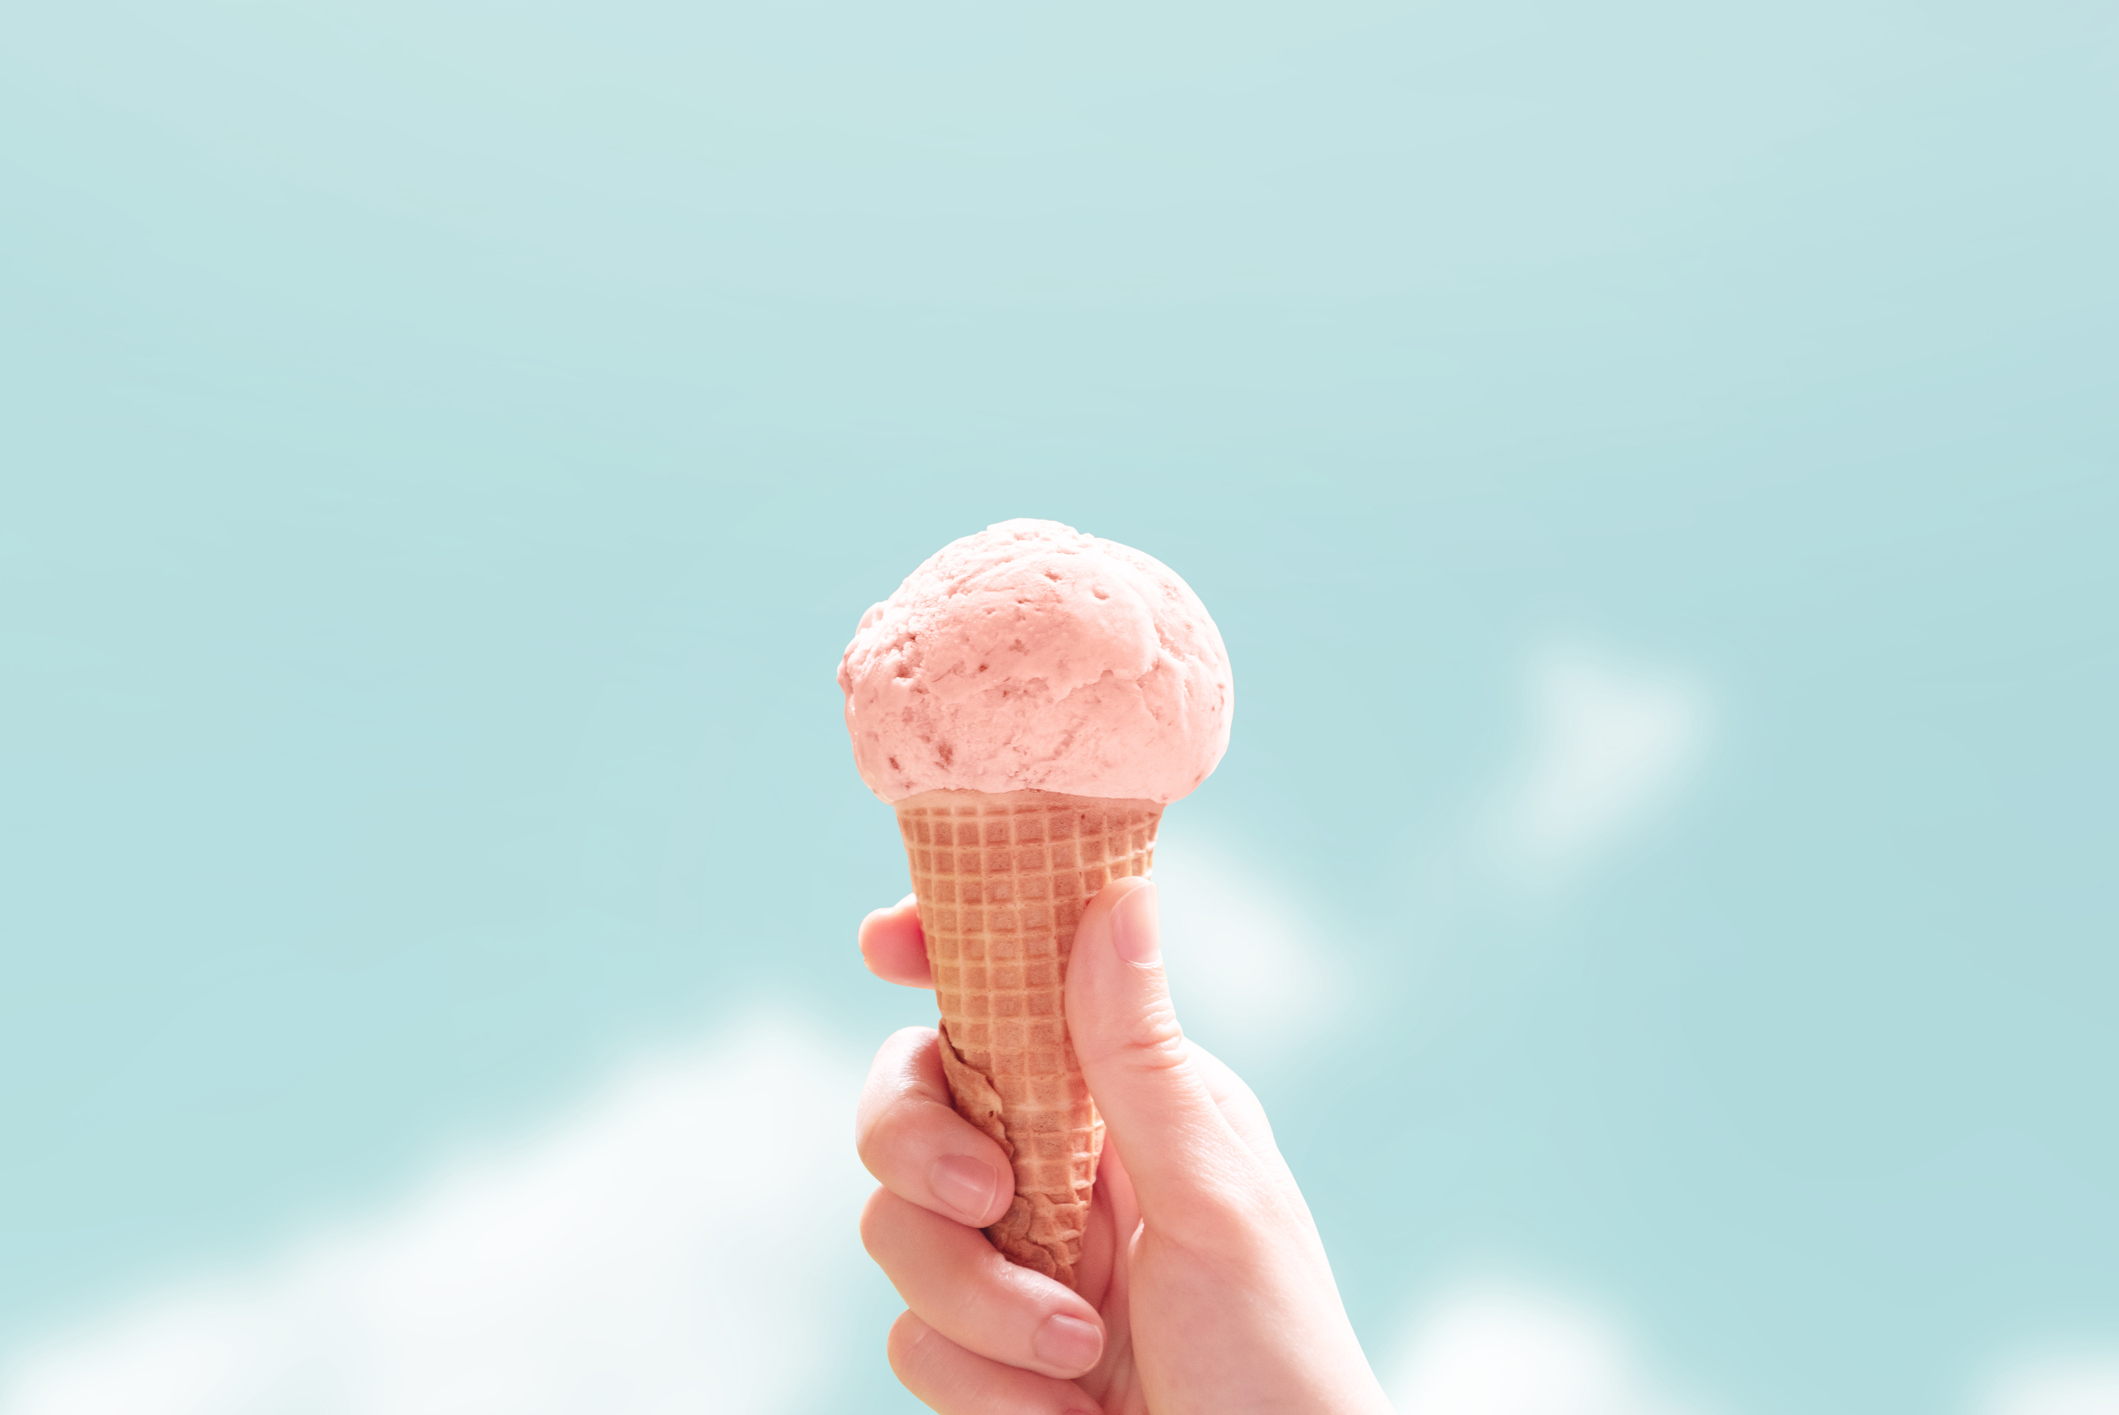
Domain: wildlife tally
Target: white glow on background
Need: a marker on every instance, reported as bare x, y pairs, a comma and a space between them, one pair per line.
685, 1242
2081, 1383
1493, 1350
1610, 744
1249, 967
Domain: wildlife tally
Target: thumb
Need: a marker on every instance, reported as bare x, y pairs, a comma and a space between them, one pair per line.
1155, 1101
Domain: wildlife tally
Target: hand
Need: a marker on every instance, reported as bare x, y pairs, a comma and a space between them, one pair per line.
1203, 1284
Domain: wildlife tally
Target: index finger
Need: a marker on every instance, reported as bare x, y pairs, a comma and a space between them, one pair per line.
894, 947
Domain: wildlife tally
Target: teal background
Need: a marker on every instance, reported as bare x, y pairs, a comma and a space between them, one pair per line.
444, 449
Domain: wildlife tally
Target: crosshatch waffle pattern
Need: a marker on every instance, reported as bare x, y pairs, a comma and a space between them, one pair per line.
1002, 881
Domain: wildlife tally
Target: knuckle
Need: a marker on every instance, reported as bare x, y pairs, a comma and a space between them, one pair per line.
912, 1061
899, 1054
898, 1140
874, 1141
1154, 1042
875, 1220
902, 1346
909, 1039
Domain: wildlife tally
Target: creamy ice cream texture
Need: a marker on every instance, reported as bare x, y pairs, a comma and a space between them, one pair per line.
1033, 657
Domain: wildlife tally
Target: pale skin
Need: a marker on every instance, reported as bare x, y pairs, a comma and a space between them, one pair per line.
1203, 1284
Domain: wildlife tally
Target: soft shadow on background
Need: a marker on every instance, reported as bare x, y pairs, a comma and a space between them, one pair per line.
1655, 466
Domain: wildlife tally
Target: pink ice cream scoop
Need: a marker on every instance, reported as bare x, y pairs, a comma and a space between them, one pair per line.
1032, 657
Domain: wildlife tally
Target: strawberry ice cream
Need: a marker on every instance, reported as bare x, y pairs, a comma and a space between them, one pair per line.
1032, 657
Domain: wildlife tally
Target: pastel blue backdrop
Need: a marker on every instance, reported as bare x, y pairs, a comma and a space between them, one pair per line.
444, 449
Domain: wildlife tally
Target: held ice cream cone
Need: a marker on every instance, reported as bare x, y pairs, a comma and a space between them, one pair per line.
1029, 701
1002, 880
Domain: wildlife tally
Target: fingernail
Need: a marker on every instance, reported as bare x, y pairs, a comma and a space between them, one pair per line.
1068, 1343
965, 1185
1135, 932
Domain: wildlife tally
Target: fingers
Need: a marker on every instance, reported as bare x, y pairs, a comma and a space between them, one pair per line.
893, 946
1151, 1089
962, 1287
956, 1382
914, 1142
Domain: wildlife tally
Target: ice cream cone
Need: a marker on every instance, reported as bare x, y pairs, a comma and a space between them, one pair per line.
1002, 880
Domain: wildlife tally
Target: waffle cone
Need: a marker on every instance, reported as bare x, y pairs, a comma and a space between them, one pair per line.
1002, 881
